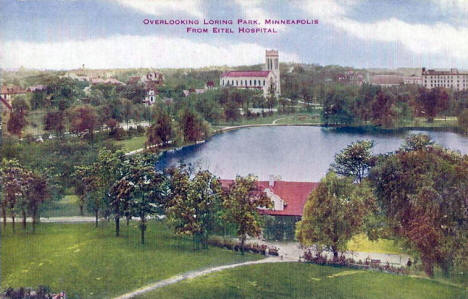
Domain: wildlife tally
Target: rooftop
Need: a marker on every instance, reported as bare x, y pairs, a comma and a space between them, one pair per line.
294, 194
246, 74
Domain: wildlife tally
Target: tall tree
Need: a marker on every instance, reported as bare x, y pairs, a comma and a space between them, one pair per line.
333, 213
54, 121
193, 204
17, 120
161, 132
193, 127
422, 191
83, 120
241, 202
355, 160
13, 179
37, 193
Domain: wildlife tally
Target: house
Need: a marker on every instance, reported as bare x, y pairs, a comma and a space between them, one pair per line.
288, 200
387, 80
151, 81
266, 80
7, 93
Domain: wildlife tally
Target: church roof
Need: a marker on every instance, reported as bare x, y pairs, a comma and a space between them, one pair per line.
246, 74
294, 194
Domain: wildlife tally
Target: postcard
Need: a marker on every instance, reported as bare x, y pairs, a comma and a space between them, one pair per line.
233, 149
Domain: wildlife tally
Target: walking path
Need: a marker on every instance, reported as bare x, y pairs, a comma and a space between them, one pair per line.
193, 274
69, 219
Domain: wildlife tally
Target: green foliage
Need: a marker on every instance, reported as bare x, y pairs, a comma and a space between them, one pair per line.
241, 202
333, 213
161, 132
433, 101
355, 160
463, 120
192, 126
422, 192
194, 204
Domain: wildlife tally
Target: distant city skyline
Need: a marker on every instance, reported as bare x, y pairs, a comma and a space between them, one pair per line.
57, 34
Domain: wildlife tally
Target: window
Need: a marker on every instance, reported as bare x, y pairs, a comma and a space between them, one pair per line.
250, 83
263, 82
255, 82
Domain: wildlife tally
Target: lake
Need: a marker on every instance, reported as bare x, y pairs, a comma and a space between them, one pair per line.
295, 153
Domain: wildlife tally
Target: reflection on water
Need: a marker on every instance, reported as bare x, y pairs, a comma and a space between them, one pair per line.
294, 153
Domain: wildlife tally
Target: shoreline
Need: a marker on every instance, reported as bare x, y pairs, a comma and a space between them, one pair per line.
371, 129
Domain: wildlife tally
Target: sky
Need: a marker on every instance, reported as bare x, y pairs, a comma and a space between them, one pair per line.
65, 34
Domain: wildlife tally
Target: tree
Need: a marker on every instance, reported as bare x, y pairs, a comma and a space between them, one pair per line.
422, 192
193, 204
231, 111
17, 120
99, 177
13, 179
432, 102
148, 190
463, 120
83, 120
192, 126
333, 213
355, 160
37, 193
241, 202
54, 121
383, 113
161, 132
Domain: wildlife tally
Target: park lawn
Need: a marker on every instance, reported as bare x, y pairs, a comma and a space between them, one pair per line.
362, 244
300, 280
68, 206
299, 118
132, 144
86, 262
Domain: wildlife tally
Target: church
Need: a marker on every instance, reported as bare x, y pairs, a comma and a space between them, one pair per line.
267, 80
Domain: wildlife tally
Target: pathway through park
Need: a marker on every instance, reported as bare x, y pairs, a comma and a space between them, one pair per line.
193, 274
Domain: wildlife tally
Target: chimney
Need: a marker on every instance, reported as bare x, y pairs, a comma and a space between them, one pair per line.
271, 180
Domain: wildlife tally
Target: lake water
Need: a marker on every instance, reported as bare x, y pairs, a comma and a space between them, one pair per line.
301, 153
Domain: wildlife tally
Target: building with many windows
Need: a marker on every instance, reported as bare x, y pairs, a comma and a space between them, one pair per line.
267, 80
449, 79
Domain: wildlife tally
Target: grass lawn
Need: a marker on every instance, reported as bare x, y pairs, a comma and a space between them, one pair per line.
132, 144
294, 118
92, 263
363, 244
297, 280
68, 206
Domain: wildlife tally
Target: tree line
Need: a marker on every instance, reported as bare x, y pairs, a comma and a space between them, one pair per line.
417, 194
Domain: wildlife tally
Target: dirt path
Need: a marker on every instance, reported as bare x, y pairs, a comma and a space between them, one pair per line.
193, 274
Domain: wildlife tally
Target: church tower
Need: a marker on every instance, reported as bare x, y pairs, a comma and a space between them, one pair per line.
272, 64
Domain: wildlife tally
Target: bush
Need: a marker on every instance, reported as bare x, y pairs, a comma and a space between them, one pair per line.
42, 292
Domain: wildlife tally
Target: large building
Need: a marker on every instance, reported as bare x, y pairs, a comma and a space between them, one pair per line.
448, 79
267, 80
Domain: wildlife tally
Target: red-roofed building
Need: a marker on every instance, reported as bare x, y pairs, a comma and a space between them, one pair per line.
266, 80
288, 198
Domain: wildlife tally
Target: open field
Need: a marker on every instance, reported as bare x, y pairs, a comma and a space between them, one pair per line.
132, 144
296, 280
363, 244
92, 263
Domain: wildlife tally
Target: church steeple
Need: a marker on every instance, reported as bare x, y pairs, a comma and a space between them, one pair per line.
272, 64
